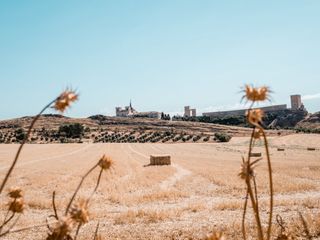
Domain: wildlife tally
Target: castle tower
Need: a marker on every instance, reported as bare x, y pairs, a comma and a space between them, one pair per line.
193, 112
187, 111
296, 102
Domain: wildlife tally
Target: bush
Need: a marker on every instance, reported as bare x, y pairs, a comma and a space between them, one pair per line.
222, 137
20, 134
74, 130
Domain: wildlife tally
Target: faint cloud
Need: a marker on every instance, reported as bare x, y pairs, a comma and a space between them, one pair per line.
311, 96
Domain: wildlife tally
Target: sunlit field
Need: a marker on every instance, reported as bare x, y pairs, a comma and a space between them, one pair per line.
200, 192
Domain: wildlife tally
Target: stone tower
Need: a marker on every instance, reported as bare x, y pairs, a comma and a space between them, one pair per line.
193, 112
296, 102
187, 111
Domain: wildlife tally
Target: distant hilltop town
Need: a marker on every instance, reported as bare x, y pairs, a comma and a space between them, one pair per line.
191, 113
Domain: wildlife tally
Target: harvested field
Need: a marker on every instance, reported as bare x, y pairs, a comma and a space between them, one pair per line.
198, 193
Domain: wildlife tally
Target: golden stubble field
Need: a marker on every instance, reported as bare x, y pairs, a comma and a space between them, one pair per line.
199, 193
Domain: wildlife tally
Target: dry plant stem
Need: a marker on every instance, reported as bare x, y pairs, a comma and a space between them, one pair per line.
305, 226
4, 220
255, 209
96, 232
255, 191
77, 232
22, 229
54, 205
251, 194
96, 187
78, 188
11, 227
270, 183
8, 220
21, 146
244, 217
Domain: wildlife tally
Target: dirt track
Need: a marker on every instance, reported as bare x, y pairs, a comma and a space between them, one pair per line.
197, 193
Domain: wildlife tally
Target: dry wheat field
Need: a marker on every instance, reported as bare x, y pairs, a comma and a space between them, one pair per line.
196, 195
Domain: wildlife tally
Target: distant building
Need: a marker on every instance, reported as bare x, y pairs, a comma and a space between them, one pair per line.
129, 111
189, 112
243, 111
126, 111
296, 102
193, 112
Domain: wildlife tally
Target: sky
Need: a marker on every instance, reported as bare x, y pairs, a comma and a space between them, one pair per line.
162, 55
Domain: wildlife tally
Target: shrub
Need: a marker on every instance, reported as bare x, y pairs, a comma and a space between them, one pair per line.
222, 137
20, 134
74, 130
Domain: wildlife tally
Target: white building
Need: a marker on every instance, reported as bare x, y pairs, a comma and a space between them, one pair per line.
129, 111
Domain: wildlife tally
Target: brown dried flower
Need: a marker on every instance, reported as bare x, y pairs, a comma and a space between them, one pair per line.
64, 100
62, 230
216, 236
247, 168
16, 205
255, 116
256, 94
79, 212
105, 162
15, 193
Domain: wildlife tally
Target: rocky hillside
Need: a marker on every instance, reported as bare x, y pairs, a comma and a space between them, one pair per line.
312, 121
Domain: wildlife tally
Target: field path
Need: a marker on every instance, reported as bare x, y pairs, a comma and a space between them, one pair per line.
172, 180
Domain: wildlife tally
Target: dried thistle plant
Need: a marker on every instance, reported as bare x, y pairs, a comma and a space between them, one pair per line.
61, 103
77, 212
216, 236
254, 117
16, 204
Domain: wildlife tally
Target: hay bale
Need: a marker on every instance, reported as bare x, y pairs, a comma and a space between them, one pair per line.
255, 155
280, 149
311, 149
160, 160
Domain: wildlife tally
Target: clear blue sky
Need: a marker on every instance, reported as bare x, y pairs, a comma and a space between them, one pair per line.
161, 54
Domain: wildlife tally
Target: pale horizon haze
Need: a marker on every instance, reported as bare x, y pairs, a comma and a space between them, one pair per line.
162, 55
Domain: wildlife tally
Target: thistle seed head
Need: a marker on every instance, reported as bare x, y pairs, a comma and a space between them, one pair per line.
79, 212
255, 116
256, 94
105, 162
15, 193
62, 230
64, 100
16, 205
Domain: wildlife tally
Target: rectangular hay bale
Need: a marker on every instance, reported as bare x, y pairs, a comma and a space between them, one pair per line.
280, 149
160, 160
255, 155
311, 149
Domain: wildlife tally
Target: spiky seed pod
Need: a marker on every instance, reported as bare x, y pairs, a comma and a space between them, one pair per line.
62, 230
16, 205
247, 169
64, 100
15, 193
216, 236
256, 94
79, 212
105, 162
255, 116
